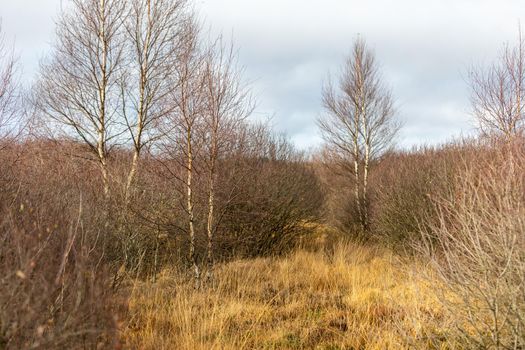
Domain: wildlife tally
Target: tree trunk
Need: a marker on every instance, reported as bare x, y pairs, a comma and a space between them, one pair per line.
365, 186
142, 108
357, 178
211, 200
357, 191
101, 145
189, 208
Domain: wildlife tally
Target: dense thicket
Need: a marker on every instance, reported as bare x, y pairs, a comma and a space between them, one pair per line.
56, 291
477, 245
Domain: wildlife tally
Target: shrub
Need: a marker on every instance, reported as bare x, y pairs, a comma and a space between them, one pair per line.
55, 285
477, 245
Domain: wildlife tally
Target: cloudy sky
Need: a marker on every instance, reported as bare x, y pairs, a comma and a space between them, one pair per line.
288, 47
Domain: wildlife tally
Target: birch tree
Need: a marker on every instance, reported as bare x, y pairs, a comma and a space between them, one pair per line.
359, 123
79, 86
184, 127
153, 31
9, 88
228, 103
498, 93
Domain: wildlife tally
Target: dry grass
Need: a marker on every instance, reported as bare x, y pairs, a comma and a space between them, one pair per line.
355, 297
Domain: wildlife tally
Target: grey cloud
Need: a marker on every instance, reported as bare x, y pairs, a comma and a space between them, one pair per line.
288, 47
425, 49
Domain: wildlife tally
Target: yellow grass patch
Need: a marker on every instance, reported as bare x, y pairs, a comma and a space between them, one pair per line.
355, 297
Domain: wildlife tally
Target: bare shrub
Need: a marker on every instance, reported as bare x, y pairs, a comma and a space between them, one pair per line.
478, 247
277, 194
53, 293
403, 185
55, 286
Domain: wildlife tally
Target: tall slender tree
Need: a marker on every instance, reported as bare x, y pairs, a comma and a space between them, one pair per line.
183, 130
359, 123
227, 104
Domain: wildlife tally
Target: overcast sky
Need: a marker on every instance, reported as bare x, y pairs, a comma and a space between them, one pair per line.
288, 47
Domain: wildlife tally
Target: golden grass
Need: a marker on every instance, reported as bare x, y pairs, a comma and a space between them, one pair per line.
356, 297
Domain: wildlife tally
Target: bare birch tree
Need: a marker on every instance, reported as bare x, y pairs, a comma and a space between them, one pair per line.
78, 88
359, 124
9, 88
228, 103
498, 93
153, 31
184, 131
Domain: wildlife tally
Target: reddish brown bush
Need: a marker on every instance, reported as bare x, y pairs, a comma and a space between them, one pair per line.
55, 284
478, 247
